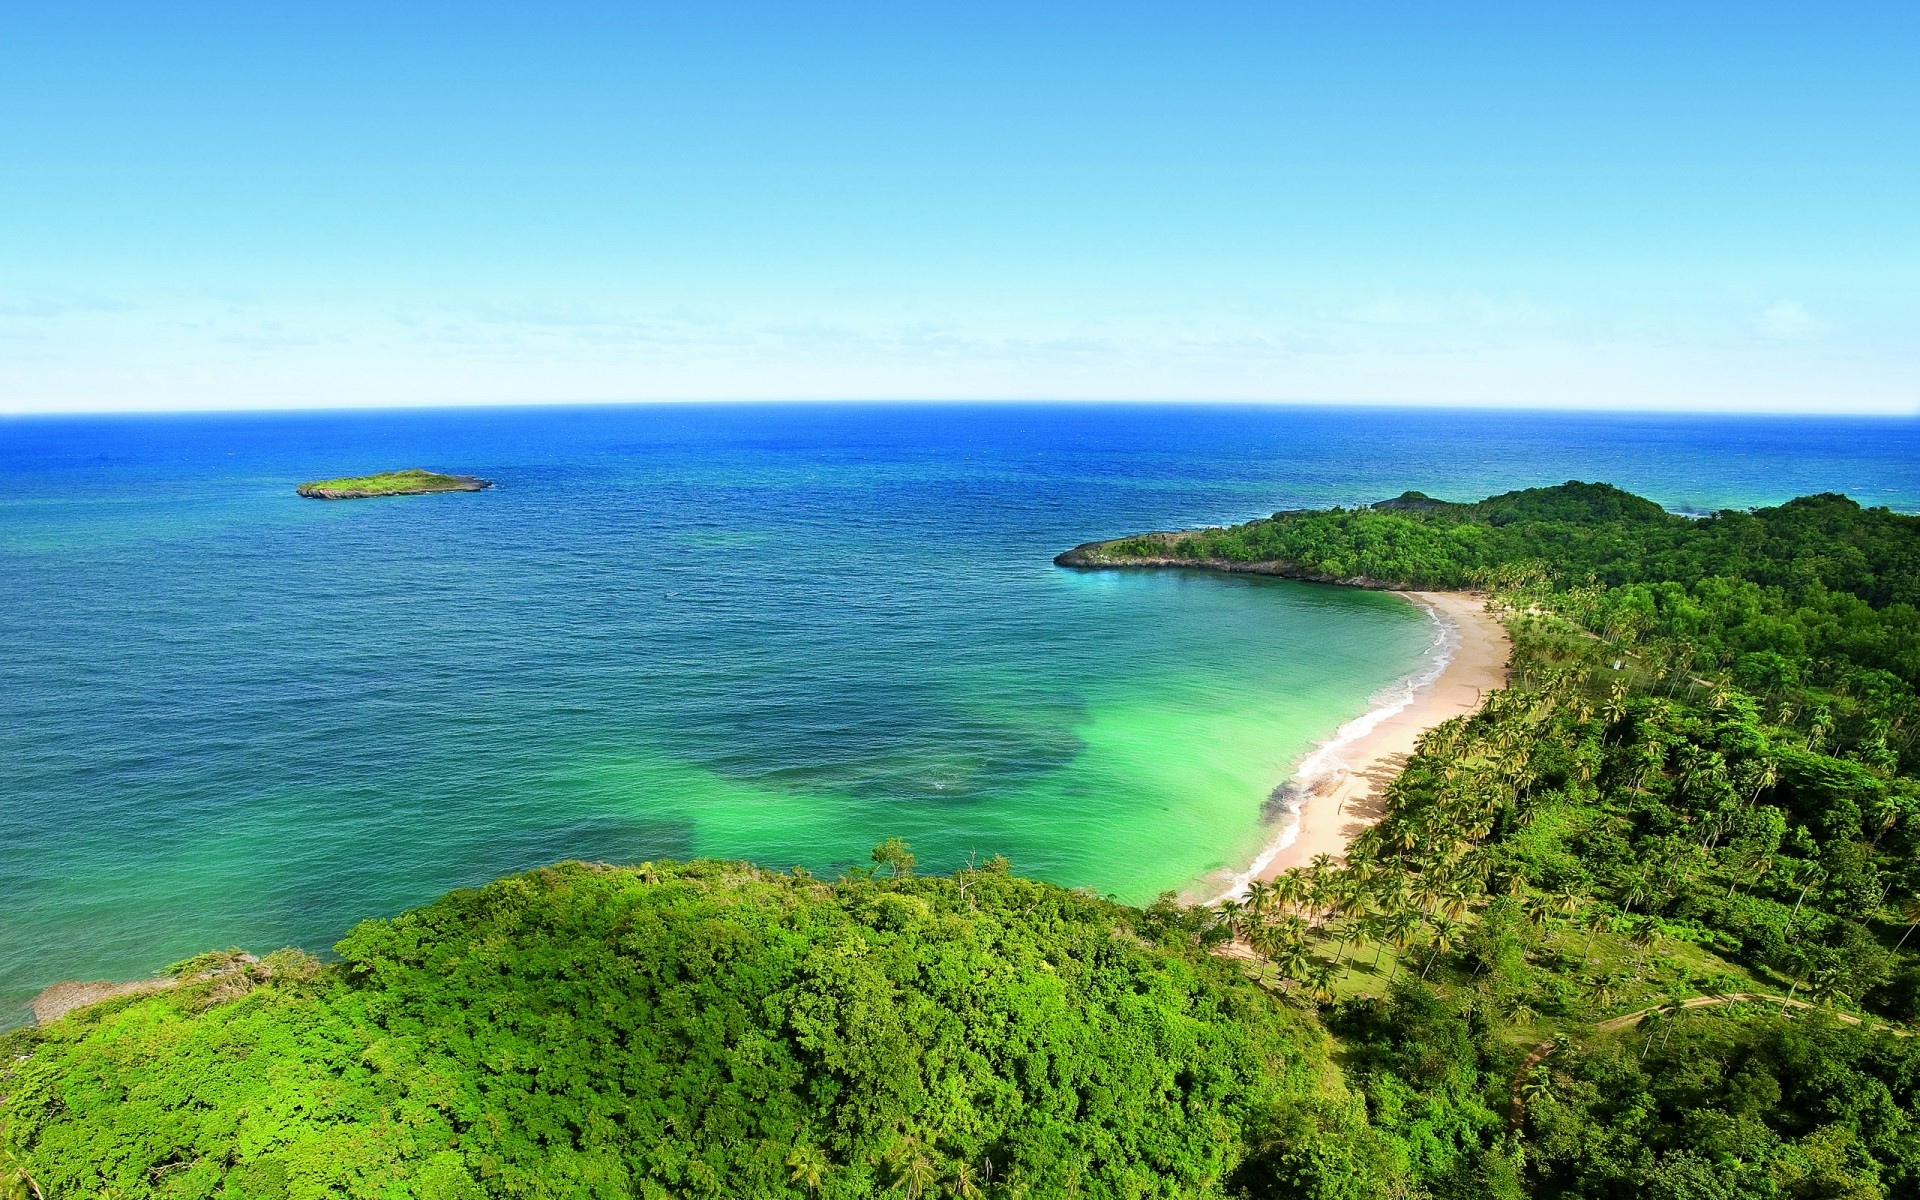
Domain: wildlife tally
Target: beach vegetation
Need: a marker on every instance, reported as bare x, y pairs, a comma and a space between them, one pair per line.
709, 1029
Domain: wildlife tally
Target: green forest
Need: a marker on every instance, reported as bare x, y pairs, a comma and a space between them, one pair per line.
1638, 927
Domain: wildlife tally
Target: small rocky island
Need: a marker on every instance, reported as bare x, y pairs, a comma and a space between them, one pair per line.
411, 482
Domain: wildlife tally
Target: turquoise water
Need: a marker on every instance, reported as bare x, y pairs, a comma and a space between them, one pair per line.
232, 716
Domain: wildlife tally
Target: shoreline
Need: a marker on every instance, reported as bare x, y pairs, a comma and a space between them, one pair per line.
1339, 787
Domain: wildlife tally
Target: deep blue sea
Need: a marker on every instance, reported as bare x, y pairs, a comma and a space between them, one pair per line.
229, 715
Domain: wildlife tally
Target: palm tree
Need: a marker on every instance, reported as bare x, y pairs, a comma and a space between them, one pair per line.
1294, 960
1539, 912
1320, 983
1812, 874
1604, 990
1320, 893
1259, 897
1615, 711
1232, 914
1910, 913
1428, 890
1886, 815
1289, 889
1402, 929
1644, 935
913, 1171
962, 1183
1752, 862
1380, 929
1826, 987
1444, 940
1359, 906
1598, 921
1359, 933
809, 1167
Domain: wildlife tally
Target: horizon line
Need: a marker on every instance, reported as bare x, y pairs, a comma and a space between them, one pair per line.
416, 406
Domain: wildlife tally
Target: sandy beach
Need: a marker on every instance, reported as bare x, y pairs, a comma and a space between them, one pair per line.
1344, 788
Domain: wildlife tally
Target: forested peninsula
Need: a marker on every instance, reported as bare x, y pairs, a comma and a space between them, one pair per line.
1638, 927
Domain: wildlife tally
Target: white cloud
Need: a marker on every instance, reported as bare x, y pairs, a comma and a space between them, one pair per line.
1786, 320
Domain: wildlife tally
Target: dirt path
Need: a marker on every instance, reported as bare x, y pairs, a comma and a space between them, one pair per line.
1518, 1112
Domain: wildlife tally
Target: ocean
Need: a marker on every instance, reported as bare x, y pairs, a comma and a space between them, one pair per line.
232, 716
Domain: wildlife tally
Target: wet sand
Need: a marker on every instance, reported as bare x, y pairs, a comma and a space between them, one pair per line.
1346, 795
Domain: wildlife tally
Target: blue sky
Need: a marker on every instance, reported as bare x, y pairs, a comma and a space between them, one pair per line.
255, 206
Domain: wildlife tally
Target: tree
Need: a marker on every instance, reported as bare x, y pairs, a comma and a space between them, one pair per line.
896, 855
962, 1183
1401, 930
808, 1167
914, 1174
1910, 913
1603, 990
1294, 960
1643, 936
1828, 986
1259, 899
1444, 940
1289, 889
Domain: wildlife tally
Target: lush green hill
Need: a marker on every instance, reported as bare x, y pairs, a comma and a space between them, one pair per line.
703, 1030
1818, 578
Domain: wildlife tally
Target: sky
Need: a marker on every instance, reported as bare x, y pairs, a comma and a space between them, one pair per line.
1620, 205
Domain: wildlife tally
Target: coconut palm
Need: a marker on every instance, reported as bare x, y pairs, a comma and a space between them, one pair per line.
1751, 863
962, 1183
1294, 960
1259, 898
1289, 889
1319, 981
1827, 986
1359, 933
914, 1174
1539, 912
1598, 921
1910, 913
808, 1167
1442, 941
1811, 876
1603, 990
1644, 935
1402, 928
1232, 916
1428, 890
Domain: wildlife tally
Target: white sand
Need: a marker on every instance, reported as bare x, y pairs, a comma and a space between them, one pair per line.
1340, 787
